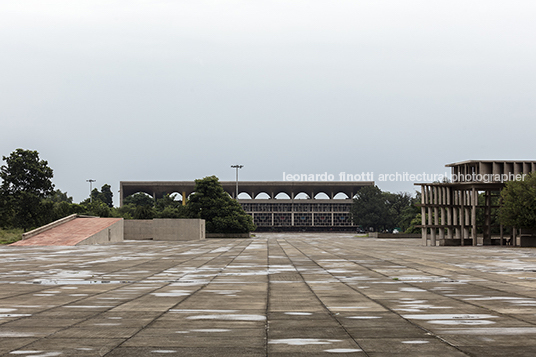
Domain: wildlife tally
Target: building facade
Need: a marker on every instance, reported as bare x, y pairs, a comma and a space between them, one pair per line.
463, 211
275, 205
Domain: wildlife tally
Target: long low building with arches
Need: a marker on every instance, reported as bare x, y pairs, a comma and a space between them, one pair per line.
279, 205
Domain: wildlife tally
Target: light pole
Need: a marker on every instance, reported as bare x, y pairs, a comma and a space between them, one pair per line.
90, 189
237, 167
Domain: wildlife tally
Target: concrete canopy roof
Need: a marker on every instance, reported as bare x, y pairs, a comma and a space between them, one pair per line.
488, 161
253, 188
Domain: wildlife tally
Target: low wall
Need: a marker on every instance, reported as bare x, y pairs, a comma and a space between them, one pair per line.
393, 235
171, 229
138, 229
111, 234
228, 235
165, 229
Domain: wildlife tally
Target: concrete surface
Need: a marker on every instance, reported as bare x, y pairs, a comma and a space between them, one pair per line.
273, 295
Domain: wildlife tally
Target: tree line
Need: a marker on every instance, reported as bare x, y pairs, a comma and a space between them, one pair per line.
375, 210
29, 199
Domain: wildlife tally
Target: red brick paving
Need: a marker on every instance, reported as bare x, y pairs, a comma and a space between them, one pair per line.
70, 233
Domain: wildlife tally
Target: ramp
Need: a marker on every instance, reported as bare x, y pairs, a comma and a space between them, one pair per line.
76, 231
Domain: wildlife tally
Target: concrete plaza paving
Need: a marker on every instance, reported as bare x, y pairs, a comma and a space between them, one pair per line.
274, 295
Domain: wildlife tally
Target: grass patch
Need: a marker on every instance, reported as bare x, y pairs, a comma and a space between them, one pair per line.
8, 236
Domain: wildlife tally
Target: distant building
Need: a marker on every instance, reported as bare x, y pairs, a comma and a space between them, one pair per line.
274, 205
450, 210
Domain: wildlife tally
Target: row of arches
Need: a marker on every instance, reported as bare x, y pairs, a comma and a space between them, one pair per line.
178, 196
251, 189
286, 196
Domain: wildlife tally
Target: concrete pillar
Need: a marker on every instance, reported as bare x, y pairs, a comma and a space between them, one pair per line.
467, 214
461, 217
474, 203
424, 231
430, 218
442, 212
449, 213
455, 212
487, 219
436, 214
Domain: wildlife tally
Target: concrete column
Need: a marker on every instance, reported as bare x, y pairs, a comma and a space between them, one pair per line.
424, 231
449, 213
487, 219
474, 196
430, 217
442, 212
467, 218
461, 217
456, 212
436, 214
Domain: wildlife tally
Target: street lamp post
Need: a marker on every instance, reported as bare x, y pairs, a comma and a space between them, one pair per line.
237, 167
90, 188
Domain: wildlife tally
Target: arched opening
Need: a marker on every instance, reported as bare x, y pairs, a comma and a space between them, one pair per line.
176, 197
321, 196
244, 195
262, 196
341, 196
282, 196
139, 199
302, 196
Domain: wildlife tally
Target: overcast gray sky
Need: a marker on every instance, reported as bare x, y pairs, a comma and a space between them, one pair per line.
178, 90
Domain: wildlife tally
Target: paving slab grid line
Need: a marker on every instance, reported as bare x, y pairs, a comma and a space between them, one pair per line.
275, 295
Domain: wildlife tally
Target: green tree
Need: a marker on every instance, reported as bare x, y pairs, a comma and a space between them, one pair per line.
384, 210
105, 195
26, 181
168, 207
369, 208
221, 213
139, 199
409, 209
416, 221
518, 203
58, 196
